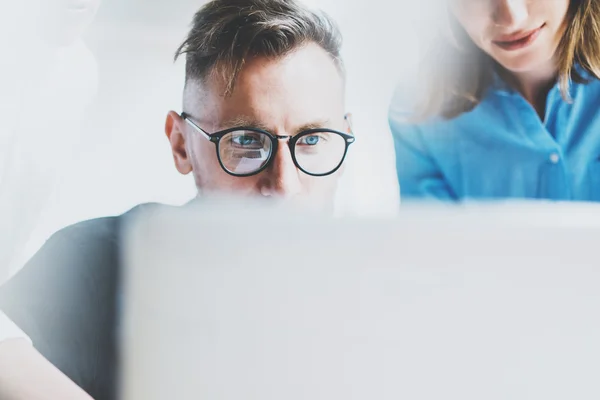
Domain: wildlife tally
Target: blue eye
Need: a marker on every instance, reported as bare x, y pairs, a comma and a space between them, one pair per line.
310, 140
246, 140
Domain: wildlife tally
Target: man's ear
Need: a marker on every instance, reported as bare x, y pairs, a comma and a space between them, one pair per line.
175, 131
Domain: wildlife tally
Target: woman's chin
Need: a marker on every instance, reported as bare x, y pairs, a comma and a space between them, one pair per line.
523, 64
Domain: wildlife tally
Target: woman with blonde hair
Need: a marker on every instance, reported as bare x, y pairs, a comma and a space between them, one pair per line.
510, 105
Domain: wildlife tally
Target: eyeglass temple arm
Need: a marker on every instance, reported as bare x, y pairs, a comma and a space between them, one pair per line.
349, 121
352, 139
193, 125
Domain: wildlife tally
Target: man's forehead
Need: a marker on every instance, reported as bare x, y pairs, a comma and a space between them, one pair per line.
305, 87
310, 60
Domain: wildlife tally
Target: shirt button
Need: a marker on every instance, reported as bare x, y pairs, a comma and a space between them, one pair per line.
554, 158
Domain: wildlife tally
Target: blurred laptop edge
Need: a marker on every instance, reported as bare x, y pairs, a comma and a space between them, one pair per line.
483, 301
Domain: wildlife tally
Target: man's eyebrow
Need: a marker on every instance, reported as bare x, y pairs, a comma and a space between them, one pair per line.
245, 122
322, 124
253, 123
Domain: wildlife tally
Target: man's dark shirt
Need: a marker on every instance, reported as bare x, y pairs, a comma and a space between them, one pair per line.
66, 300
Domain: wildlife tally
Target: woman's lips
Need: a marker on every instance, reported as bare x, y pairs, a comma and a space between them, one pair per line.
519, 40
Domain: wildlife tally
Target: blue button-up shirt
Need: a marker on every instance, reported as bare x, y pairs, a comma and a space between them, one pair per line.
502, 149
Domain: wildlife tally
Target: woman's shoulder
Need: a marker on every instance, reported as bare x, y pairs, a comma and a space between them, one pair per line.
408, 107
407, 112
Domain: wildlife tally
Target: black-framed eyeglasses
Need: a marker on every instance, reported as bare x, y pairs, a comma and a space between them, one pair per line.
246, 151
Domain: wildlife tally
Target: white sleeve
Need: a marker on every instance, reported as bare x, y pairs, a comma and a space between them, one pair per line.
9, 330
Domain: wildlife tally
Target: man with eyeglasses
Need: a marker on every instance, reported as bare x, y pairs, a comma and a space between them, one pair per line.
263, 115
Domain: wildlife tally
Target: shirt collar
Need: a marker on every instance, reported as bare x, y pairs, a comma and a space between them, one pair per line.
500, 86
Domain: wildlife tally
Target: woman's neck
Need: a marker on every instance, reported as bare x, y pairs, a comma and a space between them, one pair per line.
534, 86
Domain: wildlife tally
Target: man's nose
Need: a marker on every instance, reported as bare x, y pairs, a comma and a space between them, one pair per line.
282, 178
510, 13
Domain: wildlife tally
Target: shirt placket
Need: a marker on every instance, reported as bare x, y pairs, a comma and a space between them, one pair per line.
552, 176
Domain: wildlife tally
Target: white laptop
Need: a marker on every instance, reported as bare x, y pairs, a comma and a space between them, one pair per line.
471, 303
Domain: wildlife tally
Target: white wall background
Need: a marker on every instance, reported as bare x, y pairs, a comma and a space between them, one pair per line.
123, 158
